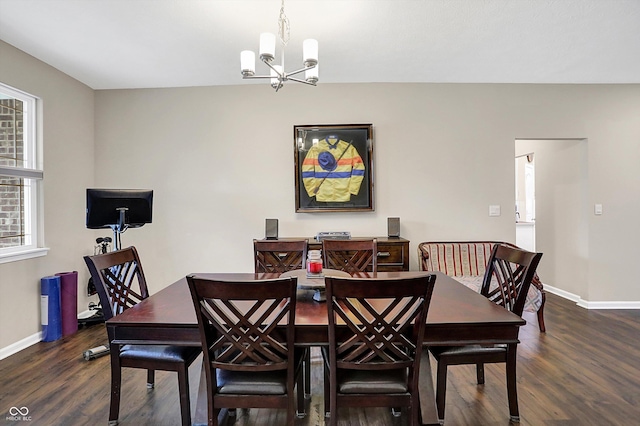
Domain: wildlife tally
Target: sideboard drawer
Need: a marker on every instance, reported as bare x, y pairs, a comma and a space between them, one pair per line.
393, 256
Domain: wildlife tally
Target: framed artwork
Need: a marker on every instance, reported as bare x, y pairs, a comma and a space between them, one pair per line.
333, 167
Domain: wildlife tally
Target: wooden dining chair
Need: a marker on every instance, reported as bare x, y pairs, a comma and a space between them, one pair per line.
357, 257
247, 329
376, 329
279, 256
506, 282
120, 284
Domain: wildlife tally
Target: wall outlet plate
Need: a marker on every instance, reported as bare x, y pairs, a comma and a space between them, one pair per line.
494, 210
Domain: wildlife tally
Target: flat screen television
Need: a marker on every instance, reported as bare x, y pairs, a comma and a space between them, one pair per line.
104, 207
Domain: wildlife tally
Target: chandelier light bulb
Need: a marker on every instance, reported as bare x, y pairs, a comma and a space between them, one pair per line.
267, 47
310, 52
248, 62
311, 75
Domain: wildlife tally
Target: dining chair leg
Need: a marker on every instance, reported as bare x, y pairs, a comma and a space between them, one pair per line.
116, 379
441, 388
151, 379
480, 373
512, 391
291, 405
333, 410
414, 411
307, 374
327, 390
212, 411
300, 397
540, 314
183, 389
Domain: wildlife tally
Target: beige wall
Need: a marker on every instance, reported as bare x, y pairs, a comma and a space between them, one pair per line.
68, 122
442, 154
220, 160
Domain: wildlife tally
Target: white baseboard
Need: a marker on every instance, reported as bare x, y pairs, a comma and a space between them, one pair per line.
591, 305
559, 292
20, 345
31, 340
86, 314
609, 305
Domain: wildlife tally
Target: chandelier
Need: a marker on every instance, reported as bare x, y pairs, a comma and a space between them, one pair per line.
278, 75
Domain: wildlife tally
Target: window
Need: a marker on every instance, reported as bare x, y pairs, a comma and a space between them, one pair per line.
20, 175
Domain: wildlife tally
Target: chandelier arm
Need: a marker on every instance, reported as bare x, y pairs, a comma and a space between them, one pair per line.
300, 70
257, 76
280, 74
300, 81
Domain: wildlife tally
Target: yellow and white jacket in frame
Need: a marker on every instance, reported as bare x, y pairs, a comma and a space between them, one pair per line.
332, 170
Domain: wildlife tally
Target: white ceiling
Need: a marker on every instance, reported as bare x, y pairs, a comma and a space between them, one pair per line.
111, 44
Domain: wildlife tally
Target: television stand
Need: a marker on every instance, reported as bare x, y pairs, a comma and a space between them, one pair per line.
119, 228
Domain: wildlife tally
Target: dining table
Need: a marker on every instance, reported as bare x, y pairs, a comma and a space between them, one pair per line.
457, 316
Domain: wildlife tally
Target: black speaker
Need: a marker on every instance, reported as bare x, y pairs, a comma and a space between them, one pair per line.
393, 227
271, 229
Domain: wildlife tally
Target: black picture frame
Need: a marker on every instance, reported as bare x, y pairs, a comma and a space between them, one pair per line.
333, 168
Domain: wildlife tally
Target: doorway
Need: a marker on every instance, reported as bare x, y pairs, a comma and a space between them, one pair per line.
525, 197
560, 219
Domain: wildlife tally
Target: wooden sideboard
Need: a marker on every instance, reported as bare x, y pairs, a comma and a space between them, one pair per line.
393, 253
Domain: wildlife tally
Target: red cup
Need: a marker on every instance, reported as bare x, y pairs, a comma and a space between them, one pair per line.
314, 267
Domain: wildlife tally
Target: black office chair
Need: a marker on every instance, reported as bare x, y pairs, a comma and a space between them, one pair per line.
506, 282
120, 284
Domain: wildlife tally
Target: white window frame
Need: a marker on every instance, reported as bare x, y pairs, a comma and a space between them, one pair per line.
31, 172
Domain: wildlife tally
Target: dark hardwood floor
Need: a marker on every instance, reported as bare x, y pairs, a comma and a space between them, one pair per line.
584, 371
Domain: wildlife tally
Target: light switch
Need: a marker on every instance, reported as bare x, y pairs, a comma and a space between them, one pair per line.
494, 210
597, 209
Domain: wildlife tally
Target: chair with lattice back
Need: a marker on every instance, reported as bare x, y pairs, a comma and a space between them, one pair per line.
507, 279
373, 359
247, 330
279, 256
356, 257
120, 284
